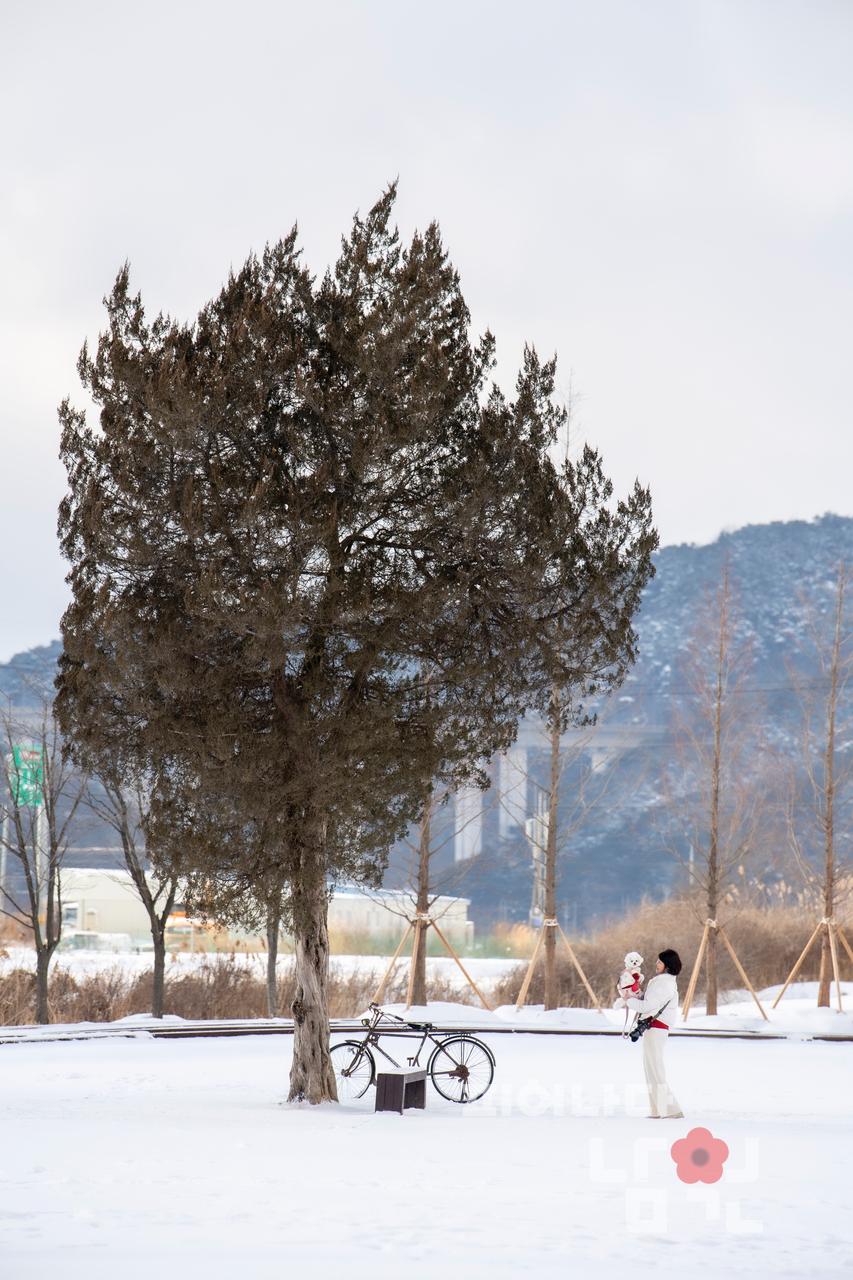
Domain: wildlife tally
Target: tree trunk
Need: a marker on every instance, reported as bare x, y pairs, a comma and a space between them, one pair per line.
713, 843
43, 957
711, 972
419, 946
419, 949
551, 857
273, 922
158, 935
825, 974
829, 801
824, 985
312, 1078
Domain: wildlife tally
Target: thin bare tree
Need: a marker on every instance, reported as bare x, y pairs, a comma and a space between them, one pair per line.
426, 884
560, 811
42, 792
125, 810
715, 798
426, 880
274, 914
828, 768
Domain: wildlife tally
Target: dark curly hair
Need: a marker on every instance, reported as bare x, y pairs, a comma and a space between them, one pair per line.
671, 962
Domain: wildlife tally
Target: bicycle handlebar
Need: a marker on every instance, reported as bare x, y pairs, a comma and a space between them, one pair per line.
419, 1026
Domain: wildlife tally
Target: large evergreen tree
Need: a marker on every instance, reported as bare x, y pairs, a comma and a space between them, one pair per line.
292, 509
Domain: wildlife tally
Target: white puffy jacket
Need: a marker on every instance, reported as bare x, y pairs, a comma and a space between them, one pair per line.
661, 990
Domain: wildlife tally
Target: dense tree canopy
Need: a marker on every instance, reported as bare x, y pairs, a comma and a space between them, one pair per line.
295, 513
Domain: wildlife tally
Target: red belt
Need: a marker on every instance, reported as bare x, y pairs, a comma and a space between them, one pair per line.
656, 1022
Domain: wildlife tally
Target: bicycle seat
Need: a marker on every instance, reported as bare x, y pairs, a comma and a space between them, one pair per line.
420, 1026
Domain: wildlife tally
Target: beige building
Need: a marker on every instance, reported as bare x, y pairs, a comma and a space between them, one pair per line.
96, 901
99, 901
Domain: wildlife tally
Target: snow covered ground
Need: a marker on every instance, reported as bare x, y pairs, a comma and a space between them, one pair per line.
138, 1157
83, 963
795, 1015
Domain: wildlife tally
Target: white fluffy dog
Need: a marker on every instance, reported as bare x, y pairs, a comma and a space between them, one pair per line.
630, 981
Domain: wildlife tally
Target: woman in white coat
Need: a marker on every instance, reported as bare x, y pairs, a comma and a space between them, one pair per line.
659, 1000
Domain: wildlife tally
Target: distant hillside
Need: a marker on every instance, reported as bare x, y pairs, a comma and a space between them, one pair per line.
618, 854
24, 676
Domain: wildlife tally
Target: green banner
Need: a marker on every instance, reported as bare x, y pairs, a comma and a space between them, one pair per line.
27, 775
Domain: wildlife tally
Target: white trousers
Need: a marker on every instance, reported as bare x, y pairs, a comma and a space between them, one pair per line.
662, 1101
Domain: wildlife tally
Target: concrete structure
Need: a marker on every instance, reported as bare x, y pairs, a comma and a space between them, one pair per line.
514, 775
468, 816
512, 789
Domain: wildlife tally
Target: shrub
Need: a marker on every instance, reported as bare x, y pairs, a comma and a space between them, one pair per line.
219, 986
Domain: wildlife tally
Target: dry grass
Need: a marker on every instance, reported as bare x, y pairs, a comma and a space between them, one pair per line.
513, 940
358, 942
219, 987
767, 941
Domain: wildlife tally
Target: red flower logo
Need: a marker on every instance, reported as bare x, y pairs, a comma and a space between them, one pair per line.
699, 1157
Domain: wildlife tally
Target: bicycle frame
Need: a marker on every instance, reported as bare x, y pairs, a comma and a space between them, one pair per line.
447, 1067
415, 1029
424, 1030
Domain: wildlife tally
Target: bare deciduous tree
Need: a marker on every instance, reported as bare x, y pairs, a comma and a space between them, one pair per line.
828, 769
713, 792
425, 883
37, 814
560, 813
125, 810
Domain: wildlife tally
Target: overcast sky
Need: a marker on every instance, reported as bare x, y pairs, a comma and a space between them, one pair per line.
660, 192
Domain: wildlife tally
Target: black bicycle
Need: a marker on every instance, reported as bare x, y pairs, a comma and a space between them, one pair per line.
460, 1066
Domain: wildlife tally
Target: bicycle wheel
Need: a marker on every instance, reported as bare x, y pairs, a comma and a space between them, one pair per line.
355, 1069
462, 1068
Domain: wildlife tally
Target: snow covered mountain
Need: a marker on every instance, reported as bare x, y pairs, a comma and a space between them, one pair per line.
783, 578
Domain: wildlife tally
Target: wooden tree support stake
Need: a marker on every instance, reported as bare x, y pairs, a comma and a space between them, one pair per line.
741, 970
700, 955
577, 965
796, 969
845, 944
420, 925
694, 977
417, 941
461, 965
833, 950
380, 990
525, 986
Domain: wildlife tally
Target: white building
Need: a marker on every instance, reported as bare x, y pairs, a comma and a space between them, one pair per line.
106, 901
512, 789
102, 901
468, 814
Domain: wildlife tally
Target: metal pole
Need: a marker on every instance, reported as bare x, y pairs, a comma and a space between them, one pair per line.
10, 759
3, 852
41, 860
